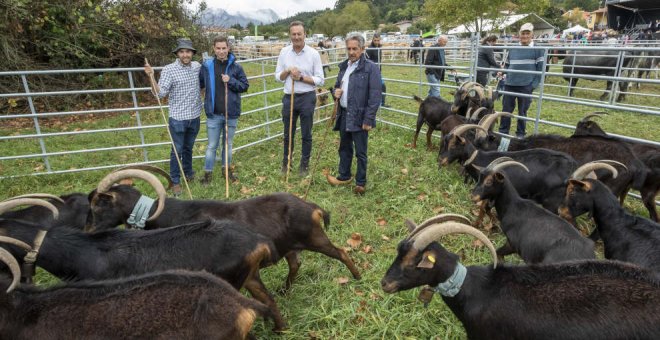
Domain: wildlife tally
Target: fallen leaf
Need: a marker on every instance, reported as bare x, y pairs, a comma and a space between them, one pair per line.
245, 190
381, 222
342, 280
404, 171
475, 211
438, 209
365, 265
477, 243
366, 249
355, 240
261, 179
359, 292
421, 197
385, 238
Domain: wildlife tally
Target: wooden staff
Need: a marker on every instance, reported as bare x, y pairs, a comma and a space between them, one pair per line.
162, 113
226, 143
322, 146
288, 161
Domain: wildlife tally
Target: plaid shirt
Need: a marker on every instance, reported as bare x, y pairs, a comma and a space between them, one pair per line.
182, 84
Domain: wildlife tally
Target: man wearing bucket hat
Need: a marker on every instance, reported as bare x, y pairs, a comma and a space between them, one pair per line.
179, 81
521, 59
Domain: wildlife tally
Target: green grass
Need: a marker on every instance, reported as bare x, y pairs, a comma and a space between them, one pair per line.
403, 183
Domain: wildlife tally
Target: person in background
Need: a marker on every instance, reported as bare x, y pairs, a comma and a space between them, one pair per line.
215, 73
301, 64
436, 57
486, 58
375, 54
358, 88
179, 81
523, 59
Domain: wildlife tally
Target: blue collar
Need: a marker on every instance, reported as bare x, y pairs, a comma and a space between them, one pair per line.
140, 212
504, 144
453, 285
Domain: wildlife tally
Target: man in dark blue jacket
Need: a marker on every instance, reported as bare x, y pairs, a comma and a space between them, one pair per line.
358, 89
215, 73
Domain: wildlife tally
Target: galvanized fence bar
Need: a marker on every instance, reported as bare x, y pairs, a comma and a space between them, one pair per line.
137, 116
37, 128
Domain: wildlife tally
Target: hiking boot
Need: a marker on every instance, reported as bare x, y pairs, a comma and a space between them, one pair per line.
176, 190
359, 189
336, 181
206, 180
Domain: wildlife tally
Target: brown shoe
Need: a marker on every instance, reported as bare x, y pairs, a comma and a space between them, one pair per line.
335, 181
359, 190
176, 190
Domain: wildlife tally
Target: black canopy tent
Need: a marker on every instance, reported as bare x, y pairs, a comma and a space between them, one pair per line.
628, 14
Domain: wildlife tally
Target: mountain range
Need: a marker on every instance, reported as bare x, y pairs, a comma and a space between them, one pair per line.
221, 18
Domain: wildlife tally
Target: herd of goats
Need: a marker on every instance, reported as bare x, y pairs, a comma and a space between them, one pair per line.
177, 275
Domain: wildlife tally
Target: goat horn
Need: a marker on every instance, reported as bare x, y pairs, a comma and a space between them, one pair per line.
13, 203
487, 121
435, 231
611, 162
476, 113
467, 114
11, 262
593, 114
442, 218
503, 165
581, 172
461, 129
153, 170
116, 176
497, 161
37, 195
18, 243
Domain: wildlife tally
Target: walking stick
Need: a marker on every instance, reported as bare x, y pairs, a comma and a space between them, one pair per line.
226, 144
162, 113
318, 152
288, 161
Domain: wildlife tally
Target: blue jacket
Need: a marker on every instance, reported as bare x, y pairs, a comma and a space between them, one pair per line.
527, 59
364, 94
237, 83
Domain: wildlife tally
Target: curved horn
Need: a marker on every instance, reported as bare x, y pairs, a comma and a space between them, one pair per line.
13, 203
581, 172
503, 165
442, 218
611, 162
476, 113
488, 120
18, 243
436, 231
37, 195
497, 161
461, 129
467, 114
11, 262
116, 176
153, 170
593, 114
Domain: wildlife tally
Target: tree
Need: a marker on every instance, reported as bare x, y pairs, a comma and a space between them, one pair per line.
420, 25
587, 5
390, 28
451, 13
356, 16
576, 17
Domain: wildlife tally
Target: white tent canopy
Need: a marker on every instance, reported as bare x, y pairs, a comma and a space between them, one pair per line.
576, 29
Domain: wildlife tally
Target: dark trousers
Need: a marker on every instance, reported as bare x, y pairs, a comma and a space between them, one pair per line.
184, 133
509, 104
348, 140
303, 107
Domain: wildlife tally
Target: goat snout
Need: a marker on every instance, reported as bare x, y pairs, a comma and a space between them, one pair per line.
389, 287
565, 213
476, 198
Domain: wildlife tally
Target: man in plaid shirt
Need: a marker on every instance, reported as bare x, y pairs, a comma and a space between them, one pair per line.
180, 82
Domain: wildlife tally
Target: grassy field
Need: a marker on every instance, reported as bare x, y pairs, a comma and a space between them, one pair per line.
403, 183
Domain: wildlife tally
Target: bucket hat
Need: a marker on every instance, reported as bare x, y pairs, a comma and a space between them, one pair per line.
184, 43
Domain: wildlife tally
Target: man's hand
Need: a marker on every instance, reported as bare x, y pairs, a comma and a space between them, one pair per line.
294, 73
366, 127
225, 78
338, 92
148, 70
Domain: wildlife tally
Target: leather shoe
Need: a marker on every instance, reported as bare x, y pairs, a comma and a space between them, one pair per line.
359, 190
335, 181
176, 190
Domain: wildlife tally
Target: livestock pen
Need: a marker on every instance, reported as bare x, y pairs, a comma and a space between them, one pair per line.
65, 140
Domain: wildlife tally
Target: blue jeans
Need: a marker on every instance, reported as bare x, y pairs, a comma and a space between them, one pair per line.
434, 90
215, 128
509, 104
183, 134
347, 140
303, 107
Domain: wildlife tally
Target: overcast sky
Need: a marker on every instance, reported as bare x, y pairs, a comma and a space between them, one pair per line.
284, 8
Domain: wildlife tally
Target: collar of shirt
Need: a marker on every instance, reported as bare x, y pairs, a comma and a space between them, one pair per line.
343, 101
180, 64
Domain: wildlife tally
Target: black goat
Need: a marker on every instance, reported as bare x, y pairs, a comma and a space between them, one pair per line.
471, 96
647, 154
626, 237
432, 111
72, 210
174, 304
571, 300
534, 233
224, 248
290, 222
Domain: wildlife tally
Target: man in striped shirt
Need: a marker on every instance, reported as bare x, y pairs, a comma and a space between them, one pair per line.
179, 81
521, 59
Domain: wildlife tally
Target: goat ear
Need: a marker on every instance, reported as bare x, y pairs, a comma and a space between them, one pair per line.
428, 260
410, 225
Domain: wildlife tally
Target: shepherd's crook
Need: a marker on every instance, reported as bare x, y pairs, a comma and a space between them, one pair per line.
226, 145
162, 113
288, 161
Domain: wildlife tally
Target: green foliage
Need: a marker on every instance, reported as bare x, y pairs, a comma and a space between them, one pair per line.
420, 25
587, 5
357, 15
553, 15
390, 28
